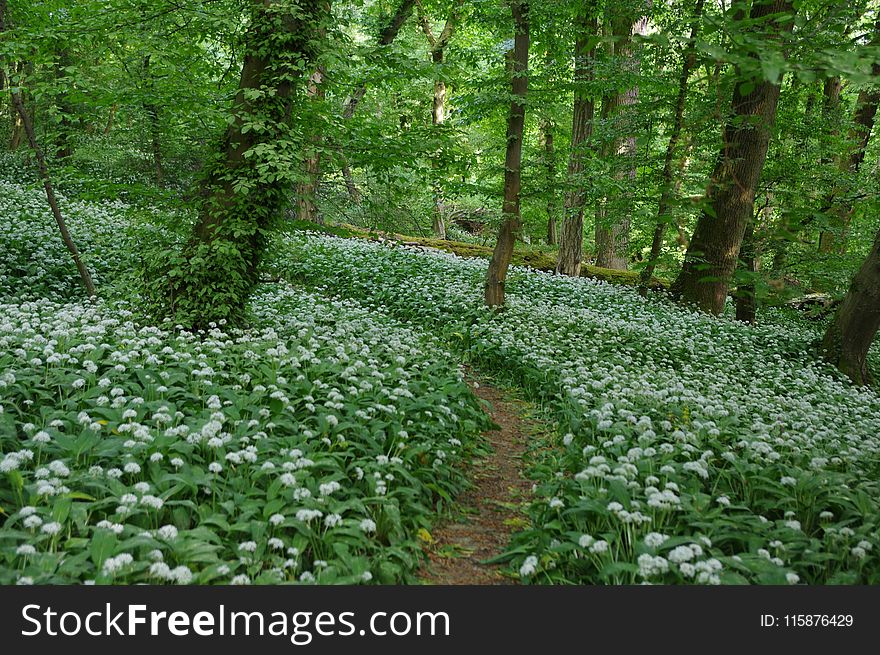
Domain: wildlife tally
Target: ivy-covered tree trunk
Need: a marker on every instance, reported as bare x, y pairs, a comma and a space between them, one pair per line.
571, 239
511, 223
713, 251
667, 184
613, 220
851, 333
245, 187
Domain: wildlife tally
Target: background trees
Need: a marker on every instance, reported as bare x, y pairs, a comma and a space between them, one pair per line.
746, 168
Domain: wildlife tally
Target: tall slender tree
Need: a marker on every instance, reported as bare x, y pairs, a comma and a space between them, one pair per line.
548, 158
613, 227
571, 241
306, 196
667, 185
712, 253
43, 170
511, 222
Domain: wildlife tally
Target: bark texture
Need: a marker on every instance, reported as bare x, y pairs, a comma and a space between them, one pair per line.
849, 337
713, 251
511, 223
667, 185
571, 238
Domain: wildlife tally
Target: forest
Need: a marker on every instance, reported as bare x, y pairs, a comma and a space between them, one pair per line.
439, 292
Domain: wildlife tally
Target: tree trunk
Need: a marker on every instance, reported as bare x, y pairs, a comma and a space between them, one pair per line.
750, 262
838, 205
213, 278
666, 182
518, 63
712, 254
851, 333
17, 135
81, 268
63, 147
27, 126
571, 241
307, 190
746, 306
550, 179
612, 236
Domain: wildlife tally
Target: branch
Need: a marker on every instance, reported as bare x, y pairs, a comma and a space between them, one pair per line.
451, 22
426, 24
438, 43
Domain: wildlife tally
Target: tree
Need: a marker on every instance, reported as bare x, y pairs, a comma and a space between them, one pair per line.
666, 182
245, 186
511, 222
837, 204
307, 189
437, 48
612, 232
43, 169
548, 159
713, 250
849, 336
571, 241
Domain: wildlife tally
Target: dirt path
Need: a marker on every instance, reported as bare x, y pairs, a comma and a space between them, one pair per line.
491, 509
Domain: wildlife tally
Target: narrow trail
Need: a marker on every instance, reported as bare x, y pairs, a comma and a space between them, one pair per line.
492, 509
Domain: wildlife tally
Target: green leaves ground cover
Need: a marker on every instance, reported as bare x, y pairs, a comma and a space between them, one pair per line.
690, 449
310, 448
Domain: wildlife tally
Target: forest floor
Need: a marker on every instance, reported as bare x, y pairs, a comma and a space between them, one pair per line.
493, 508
